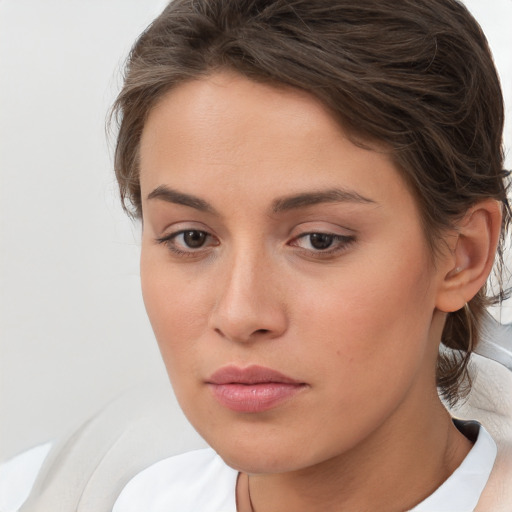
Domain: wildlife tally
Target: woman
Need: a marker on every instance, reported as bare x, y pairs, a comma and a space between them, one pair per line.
322, 194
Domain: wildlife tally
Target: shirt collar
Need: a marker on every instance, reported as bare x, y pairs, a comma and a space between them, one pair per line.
462, 491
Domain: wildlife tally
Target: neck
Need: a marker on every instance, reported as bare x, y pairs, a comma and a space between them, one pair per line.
402, 463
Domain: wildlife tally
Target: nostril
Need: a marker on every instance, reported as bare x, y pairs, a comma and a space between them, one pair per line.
257, 332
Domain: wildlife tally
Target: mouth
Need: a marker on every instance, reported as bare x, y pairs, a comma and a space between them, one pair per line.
252, 389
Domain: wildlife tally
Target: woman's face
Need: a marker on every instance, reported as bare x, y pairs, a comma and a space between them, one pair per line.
285, 273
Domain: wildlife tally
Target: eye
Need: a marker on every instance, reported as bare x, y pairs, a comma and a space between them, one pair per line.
323, 243
188, 241
193, 239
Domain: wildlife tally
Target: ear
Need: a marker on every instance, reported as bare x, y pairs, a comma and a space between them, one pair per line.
471, 257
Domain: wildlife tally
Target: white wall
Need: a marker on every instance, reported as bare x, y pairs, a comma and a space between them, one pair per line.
73, 329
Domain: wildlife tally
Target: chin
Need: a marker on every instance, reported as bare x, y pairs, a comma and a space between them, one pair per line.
258, 461
266, 452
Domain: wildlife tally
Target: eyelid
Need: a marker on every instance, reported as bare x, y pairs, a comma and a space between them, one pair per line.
336, 236
327, 228
341, 242
180, 226
169, 241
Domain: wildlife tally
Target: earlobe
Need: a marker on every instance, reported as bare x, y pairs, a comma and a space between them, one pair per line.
472, 255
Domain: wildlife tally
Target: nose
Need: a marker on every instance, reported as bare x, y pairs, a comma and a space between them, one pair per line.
249, 304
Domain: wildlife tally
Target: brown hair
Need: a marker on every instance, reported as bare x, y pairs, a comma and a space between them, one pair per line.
415, 74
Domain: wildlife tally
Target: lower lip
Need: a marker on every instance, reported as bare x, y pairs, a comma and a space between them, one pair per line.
254, 397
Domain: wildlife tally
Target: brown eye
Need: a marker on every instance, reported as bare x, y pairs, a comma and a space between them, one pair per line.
194, 239
189, 242
323, 245
321, 241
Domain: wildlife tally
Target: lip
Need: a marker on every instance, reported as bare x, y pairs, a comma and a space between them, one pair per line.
252, 389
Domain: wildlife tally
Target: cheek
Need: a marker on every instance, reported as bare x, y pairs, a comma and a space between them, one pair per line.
177, 308
370, 320
365, 337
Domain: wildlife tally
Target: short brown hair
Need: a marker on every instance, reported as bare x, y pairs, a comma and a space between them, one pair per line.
417, 75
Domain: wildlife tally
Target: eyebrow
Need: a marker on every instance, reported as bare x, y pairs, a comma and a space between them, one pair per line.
173, 196
280, 205
334, 195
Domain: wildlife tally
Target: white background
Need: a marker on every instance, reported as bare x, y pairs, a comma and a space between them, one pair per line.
73, 332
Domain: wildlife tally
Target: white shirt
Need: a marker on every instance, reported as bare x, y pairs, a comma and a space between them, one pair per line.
201, 481
17, 476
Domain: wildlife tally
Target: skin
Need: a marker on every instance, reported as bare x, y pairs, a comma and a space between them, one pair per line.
358, 323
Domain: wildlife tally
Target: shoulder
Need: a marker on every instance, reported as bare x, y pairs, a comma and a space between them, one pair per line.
497, 496
197, 480
87, 468
490, 402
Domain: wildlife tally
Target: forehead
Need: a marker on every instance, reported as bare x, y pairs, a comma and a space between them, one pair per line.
232, 106
239, 132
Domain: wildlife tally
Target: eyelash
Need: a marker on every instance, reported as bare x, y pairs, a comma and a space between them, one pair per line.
168, 241
340, 242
